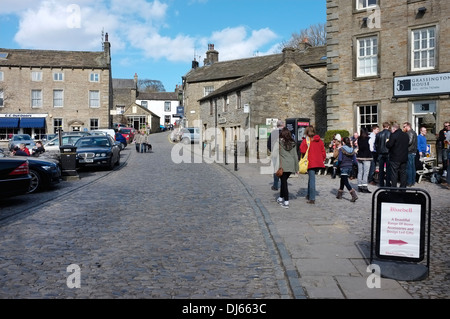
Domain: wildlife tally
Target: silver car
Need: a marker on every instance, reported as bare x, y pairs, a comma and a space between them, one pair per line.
18, 139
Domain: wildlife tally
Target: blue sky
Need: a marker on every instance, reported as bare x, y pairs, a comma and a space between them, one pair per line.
157, 39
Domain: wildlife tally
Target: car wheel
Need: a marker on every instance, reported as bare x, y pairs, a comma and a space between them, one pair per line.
185, 141
36, 181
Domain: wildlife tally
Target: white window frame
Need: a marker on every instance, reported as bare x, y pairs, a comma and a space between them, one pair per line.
94, 99
58, 76
36, 98
58, 99
1, 75
94, 124
167, 106
367, 56
94, 77
208, 90
364, 4
36, 76
425, 48
370, 108
2, 99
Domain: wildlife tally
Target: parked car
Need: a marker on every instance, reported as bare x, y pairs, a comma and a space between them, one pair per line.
44, 173
53, 145
15, 176
190, 135
116, 126
97, 150
18, 139
110, 132
128, 133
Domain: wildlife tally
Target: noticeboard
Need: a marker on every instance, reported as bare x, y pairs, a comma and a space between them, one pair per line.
400, 225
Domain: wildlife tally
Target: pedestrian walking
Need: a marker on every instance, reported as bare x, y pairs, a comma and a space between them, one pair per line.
337, 144
364, 159
383, 156
273, 140
373, 150
398, 155
412, 150
289, 162
316, 159
442, 146
346, 160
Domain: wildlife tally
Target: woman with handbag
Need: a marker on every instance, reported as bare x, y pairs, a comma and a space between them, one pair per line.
313, 146
288, 164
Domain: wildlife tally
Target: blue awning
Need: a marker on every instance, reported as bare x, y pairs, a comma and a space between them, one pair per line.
9, 122
33, 122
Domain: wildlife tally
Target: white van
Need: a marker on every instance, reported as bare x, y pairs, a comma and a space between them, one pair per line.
110, 132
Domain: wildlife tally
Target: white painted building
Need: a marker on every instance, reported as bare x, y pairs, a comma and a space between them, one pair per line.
163, 104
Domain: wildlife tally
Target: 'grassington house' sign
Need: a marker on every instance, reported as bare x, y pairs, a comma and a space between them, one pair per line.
418, 85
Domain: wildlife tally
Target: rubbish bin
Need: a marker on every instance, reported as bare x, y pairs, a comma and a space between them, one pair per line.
68, 156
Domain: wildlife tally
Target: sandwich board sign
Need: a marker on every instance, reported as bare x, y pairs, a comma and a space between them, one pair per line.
402, 225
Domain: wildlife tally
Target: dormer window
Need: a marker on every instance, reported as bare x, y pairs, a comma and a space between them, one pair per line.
3, 55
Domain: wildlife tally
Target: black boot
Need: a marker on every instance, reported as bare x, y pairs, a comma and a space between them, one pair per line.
333, 174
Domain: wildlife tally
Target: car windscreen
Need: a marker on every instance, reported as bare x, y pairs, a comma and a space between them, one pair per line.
92, 142
125, 131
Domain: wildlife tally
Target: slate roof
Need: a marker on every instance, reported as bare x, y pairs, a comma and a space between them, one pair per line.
54, 59
302, 59
228, 70
158, 96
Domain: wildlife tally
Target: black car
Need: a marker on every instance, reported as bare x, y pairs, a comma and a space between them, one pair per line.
44, 173
97, 150
14, 176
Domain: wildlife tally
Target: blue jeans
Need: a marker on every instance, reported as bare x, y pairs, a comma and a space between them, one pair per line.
311, 184
411, 170
276, 181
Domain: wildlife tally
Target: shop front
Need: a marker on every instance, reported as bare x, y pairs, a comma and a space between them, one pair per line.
31, 124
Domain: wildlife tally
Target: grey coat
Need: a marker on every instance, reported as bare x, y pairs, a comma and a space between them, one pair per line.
288, 157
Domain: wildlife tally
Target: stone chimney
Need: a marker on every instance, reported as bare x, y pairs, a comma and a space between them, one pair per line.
304, 45
212, 56
288, 54
107, 50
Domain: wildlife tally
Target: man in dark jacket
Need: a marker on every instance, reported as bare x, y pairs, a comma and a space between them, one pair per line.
383, 155
398, 155
412, 150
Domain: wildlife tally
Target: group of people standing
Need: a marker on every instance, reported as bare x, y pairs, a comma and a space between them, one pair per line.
396, 148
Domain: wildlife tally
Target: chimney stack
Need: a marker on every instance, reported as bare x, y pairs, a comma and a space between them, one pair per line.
212, 56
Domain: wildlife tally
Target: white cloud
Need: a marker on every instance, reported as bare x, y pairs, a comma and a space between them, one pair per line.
139, 24
235, 43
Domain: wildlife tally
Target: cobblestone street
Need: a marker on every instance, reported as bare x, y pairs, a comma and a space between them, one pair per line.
151, 229
155, 229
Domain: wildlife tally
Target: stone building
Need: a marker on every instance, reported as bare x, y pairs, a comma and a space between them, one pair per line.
388, 62
43, 90
279, 86
125, 92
